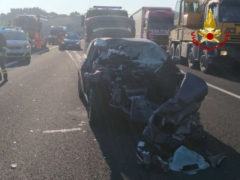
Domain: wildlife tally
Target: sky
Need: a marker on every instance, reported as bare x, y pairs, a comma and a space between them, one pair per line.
68, 6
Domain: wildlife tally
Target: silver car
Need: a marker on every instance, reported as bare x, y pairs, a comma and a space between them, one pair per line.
17, 44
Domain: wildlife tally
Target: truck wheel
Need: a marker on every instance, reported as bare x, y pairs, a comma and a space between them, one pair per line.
191, 63
204, 64
172, 51
178, 53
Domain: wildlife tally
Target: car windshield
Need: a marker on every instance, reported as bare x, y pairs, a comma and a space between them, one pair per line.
230, 12
72, 37
146, 53
12, 35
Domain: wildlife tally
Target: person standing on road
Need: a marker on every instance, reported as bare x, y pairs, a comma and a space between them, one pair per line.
3, 45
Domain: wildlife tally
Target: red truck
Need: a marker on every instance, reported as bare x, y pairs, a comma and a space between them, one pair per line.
33, 27
154, 23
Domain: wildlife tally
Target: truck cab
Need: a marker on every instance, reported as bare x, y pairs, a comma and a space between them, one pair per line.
227, 18
157, 24
190, 16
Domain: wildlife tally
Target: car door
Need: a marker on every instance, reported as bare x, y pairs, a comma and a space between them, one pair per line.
87, 66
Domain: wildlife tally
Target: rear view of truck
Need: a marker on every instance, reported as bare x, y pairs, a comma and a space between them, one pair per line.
154, 24
106, 21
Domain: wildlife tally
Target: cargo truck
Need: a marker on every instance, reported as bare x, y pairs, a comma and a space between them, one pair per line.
190, 17
154, 23
106, 21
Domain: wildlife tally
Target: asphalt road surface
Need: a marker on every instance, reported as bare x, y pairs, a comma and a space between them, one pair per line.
45, 132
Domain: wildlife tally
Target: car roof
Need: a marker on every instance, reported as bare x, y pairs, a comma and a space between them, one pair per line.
119, 41
11, 30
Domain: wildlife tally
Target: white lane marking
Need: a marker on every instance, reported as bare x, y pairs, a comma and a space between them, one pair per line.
71, 57
79, 57
62, 131
223, 91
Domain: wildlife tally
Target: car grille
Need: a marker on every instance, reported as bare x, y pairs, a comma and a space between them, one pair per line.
161, 40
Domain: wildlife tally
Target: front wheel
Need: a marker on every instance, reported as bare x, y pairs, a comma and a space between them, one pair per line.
80, 91
178, 54
204, 63
93, 106
172, 51
27, 59
191, 63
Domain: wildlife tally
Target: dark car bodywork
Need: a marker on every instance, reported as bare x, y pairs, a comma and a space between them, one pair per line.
136, 77
134, 74
70, 42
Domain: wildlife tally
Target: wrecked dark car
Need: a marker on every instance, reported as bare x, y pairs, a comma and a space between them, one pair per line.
136, 77
132, 75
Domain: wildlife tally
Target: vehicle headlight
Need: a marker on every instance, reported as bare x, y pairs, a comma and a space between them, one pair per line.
223, 53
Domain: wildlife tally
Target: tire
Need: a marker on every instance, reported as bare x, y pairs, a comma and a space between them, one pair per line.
178, 54
80, 92
204, 64
191, 63
27, 59
172, 51
93, 106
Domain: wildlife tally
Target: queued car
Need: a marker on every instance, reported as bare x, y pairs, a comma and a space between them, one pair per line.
18, 46
136, 78
70, 42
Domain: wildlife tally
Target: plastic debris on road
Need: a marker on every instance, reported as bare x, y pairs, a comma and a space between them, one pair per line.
14, 165
187, 161
216, 160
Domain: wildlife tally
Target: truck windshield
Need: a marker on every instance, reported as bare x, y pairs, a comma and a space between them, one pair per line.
160, 23
107, 24
28, 24
102, 12
230, 13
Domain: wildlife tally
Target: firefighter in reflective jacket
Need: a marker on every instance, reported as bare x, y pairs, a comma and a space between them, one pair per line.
3, 45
